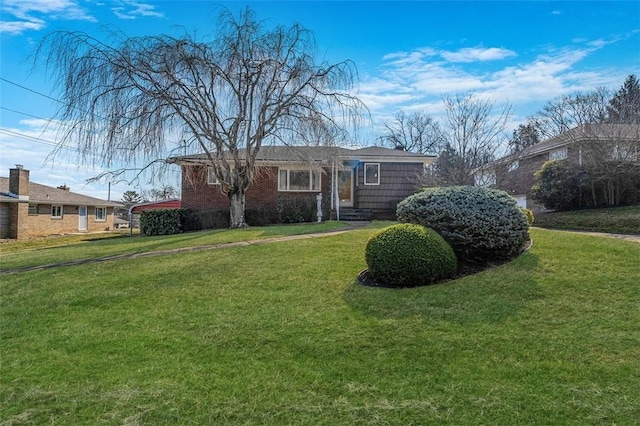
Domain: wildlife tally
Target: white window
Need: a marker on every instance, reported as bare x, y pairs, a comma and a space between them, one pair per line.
372, 173
622, 152
33, 209
558, 154
212, 179
513, 165
56, 212
298, 180
101, 214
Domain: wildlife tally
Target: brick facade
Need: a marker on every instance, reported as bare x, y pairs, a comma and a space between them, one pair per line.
40, 222
263, 193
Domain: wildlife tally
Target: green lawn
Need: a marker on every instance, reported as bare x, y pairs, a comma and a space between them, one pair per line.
51, 250
281, 334
620, 220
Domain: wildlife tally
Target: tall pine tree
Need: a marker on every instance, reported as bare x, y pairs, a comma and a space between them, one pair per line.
624, 107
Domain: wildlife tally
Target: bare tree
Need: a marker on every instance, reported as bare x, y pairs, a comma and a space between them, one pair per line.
569, 111
473, 133
609, 155
164, 192
226, 98
416, 132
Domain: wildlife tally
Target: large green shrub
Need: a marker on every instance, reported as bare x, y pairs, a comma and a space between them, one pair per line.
162, 221
559, 185
481, 224
297, 210
405, 255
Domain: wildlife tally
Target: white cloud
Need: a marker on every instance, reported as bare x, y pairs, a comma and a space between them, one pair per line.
133, 10
475, 54
33, 14
418, 80
18, 27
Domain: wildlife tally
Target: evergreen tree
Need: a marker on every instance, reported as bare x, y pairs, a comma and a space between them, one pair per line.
129, 198
624, 107
524, 136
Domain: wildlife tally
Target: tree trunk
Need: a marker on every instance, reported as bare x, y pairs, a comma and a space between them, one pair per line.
236, 210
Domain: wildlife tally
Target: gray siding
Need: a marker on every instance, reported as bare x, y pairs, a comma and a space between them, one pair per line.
397, 181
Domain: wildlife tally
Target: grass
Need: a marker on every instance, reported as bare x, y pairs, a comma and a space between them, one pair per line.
621, 220
92, 246
281, 334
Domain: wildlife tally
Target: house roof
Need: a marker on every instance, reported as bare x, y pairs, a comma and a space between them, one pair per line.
155, 205
44, 194
582, 133
322, 154
586, 133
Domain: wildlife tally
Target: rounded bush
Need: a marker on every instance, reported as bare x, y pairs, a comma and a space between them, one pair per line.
481, 224
529, 214
406, 255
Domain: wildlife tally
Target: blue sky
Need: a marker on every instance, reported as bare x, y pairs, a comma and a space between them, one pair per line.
409, 56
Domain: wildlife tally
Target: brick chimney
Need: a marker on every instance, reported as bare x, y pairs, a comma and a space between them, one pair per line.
19, 182
19, 212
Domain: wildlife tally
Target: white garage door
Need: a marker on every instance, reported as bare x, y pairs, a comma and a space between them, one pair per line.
522, 201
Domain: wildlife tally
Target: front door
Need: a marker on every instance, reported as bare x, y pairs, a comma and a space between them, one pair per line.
345, 187
82, 218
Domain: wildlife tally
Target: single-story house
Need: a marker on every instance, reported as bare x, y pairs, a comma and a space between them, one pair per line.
29, 209
354, 183
592, 142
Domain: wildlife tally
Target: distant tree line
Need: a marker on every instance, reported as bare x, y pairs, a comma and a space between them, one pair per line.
472, 132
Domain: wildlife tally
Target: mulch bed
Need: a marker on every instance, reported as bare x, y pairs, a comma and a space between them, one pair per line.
464, 269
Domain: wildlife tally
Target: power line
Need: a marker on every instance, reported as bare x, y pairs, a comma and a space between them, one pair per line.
36, 139
48, 120
32, 91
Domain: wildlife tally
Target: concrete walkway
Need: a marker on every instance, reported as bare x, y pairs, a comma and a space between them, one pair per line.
350, 227
626, 237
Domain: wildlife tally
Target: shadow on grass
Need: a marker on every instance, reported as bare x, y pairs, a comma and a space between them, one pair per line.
489, 296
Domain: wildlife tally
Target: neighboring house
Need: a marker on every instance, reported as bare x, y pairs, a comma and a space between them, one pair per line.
582, 144
29, 209
369, 181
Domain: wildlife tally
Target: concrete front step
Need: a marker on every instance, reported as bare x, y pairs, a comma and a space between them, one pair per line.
353, 214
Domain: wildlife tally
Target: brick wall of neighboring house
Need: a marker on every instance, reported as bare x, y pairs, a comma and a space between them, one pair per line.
520, 180
397, 181
40, 222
